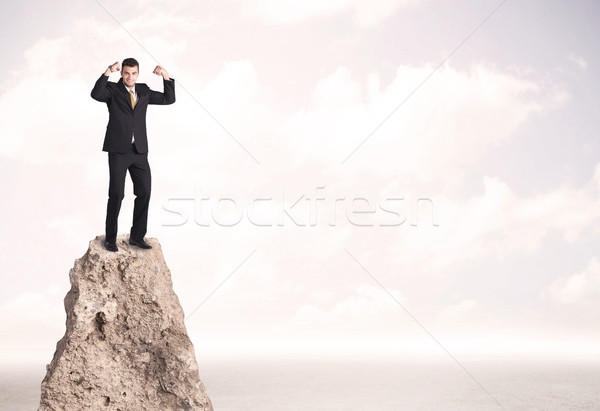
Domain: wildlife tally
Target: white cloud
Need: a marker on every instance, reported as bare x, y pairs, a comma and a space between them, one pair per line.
579, 61
450, 123
457, 313
31, 314
368, 309
499, 223
286, 12
583, 287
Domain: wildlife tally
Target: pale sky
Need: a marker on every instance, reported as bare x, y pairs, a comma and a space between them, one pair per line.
344, 110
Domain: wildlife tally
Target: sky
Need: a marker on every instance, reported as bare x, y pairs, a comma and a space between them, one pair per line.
407, 177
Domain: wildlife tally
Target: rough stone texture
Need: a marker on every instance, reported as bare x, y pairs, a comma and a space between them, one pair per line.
126, 346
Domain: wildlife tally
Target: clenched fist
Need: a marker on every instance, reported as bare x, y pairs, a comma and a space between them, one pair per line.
112, 68
159, 71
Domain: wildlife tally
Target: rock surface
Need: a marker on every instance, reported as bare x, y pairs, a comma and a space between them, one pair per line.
126, 346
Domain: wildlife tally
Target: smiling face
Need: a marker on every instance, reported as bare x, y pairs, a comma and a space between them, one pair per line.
130, 75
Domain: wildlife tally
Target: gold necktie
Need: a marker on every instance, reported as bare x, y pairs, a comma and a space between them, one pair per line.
132, 99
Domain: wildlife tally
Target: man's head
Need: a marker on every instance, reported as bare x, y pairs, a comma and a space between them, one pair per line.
130, 69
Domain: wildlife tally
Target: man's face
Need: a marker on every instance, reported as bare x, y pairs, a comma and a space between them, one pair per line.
130, 75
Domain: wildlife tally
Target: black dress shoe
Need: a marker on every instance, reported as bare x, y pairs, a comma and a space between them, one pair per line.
140, 244
110, 246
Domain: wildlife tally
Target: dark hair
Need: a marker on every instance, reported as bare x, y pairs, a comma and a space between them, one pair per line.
130, 62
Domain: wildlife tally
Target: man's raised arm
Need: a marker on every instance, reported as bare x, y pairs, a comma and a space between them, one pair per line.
168, 95
100, 92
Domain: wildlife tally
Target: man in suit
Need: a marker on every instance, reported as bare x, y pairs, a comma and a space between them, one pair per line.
127, 144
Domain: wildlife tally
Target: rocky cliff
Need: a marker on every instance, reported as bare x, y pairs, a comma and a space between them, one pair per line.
126, 346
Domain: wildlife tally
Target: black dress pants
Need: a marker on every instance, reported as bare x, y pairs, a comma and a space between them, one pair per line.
139, 170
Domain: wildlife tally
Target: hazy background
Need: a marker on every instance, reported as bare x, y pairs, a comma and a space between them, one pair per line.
273, 99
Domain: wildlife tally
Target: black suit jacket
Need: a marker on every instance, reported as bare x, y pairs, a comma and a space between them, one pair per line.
123, 121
